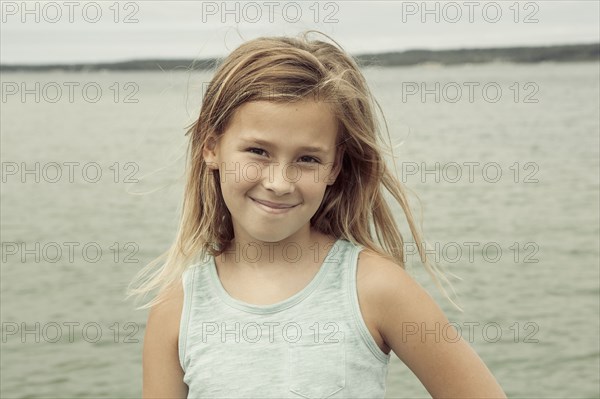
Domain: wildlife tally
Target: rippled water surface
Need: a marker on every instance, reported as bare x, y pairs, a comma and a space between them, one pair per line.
507, 174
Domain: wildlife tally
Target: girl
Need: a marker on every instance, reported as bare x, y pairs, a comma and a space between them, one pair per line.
275, 287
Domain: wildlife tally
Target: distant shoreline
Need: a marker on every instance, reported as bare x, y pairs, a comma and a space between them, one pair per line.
558, 53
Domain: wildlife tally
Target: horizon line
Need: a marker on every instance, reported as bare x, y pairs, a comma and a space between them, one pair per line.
357, 56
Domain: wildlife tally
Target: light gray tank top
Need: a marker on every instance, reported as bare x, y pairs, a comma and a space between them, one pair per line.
315, 344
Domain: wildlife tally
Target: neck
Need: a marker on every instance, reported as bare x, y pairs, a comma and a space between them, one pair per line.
292, 252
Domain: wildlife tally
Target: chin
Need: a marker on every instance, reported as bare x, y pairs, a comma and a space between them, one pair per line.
270, 237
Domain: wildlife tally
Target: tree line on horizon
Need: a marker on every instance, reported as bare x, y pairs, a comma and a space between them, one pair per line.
559, 53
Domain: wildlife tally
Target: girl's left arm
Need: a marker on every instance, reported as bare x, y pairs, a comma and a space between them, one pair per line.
415, 328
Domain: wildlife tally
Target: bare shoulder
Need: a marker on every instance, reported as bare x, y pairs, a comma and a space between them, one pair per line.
163, 376
393, 299
409, 322
381, 282
373, 265
377, 278
167, 313
385, 289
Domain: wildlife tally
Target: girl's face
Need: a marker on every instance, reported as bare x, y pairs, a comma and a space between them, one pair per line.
282, 155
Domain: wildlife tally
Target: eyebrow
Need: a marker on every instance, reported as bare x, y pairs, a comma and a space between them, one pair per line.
313, 149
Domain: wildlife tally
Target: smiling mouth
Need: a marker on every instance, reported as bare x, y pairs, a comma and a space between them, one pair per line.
270, 206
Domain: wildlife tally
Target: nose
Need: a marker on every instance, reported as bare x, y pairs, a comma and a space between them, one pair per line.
279, 178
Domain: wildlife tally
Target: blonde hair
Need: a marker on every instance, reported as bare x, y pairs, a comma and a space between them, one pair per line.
285, 69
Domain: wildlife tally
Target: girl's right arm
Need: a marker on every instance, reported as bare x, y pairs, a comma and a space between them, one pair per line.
163, 376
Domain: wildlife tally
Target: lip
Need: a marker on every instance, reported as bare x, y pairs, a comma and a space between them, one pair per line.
273, 207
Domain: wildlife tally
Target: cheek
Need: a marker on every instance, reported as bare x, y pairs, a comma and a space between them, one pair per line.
314, 176
251, 172
238, 172
312, 183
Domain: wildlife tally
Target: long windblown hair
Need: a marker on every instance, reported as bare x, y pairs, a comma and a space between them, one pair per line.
287, 69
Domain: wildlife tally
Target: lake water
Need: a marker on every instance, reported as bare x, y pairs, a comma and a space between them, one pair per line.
505, 162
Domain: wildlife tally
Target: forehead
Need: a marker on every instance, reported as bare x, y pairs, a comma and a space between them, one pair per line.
285, 125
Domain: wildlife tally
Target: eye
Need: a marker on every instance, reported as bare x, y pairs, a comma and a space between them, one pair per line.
314, 160
255, 149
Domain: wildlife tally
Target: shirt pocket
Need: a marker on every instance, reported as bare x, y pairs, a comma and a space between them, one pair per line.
317, 370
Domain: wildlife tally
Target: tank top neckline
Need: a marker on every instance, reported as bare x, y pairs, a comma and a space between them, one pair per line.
278, 306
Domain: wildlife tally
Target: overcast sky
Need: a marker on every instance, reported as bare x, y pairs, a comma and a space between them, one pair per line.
74, 31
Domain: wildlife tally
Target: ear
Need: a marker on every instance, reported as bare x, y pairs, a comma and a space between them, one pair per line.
337, 168
209, 152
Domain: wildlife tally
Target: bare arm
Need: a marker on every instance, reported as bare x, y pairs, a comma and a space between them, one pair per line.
163, 376
444, 363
